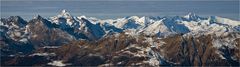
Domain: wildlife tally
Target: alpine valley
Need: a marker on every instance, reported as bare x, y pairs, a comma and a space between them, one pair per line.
66, 40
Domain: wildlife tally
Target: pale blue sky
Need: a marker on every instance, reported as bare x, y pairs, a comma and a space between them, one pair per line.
120, 8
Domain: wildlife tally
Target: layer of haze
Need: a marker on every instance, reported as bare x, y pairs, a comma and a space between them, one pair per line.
121, 8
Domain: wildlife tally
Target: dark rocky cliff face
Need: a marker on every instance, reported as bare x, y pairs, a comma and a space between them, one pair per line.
125, 50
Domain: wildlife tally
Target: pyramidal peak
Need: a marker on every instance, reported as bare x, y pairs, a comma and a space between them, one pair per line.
193, 17
38, 17
16, 18
190, 15
64, 13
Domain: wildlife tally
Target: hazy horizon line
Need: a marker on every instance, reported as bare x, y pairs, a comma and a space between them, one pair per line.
119, 0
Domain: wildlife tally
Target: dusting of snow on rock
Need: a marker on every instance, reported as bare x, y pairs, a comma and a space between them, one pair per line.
43, 54
229, 42
57, 63
51, 46
220, 54
154, 62
24, 40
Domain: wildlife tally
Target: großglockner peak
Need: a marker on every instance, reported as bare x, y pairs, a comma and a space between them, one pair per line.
64, 17
64, 13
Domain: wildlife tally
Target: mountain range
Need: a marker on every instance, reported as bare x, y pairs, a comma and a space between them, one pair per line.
66, 40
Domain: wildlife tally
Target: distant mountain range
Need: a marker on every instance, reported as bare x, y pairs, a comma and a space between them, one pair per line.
65, 40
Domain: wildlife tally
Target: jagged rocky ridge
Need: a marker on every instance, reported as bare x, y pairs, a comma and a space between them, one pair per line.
66, 40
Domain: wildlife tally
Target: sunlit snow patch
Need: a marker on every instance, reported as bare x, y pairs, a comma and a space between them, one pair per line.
57, 63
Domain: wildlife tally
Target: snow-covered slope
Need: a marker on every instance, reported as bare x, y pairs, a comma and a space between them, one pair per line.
226, 21
91, 28
156, 27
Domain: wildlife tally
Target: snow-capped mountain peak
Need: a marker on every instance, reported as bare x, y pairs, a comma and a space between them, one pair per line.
142, 21
192, 17
133, 17
64, 13
64, 17
38, 17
